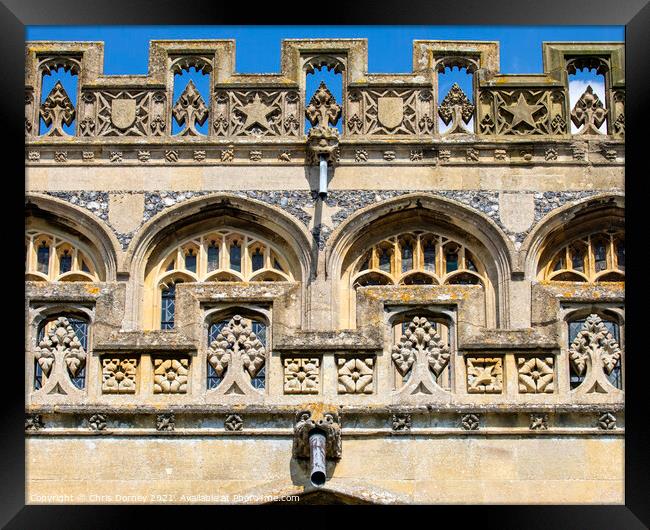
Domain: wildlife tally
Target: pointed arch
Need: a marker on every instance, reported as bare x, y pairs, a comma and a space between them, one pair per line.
428, 212
98, 240
569, 222
184, 223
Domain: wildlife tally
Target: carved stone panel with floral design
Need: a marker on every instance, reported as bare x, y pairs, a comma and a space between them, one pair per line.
119, 375
356, 375
484, 375
301, 375
170, 376
536, 375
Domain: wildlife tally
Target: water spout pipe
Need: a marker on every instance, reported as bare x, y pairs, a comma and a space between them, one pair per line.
322, 185
317, 441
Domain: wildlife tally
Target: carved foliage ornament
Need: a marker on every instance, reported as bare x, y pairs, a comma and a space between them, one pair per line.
170, 376
535, 374
301, 375
237, 344
456, 109
594, 342
589, 112
60, 346
190, 110
118, 375
57, 110
484, 375
355, 375
420, 339
323, 110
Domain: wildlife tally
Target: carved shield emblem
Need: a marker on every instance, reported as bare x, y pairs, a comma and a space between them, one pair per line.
390, 111
123, 113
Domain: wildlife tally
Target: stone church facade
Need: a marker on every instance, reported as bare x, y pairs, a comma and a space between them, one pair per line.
444, 308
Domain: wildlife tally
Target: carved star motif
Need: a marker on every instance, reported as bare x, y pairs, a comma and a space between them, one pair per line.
522, 111
257, 112
325, 213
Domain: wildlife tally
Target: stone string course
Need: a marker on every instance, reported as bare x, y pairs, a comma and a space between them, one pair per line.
293, 202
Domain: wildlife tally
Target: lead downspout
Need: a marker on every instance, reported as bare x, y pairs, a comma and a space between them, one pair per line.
322, 183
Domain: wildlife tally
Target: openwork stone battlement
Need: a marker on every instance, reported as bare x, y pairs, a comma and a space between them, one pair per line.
270, 109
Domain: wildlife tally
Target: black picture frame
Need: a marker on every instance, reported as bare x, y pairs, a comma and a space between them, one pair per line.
634, 14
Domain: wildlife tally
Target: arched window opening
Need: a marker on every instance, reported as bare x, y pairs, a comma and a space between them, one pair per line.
412, 259
597, 257
57, 113
53, 333
218, 255
455, 100
53, 257
587, 99
168, 305
43, 256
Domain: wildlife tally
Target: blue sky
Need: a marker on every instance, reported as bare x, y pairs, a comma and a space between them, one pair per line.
126, 48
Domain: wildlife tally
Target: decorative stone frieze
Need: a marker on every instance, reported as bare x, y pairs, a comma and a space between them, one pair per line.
165, 422
97, 422
607, 421
34, 422
539, 422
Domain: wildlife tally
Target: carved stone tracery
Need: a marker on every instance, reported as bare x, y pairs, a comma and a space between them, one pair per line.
421, 346
57, 110
456, 109
594, 347
256, 113
61, 357
589, 112
190, 110
236, 350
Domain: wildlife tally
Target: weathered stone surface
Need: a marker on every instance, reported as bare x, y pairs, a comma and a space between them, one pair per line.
409, 314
